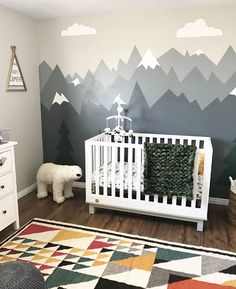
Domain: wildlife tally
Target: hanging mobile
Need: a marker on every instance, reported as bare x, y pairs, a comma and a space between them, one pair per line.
119, 131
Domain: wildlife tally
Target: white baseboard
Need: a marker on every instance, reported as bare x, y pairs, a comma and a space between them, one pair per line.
26, 191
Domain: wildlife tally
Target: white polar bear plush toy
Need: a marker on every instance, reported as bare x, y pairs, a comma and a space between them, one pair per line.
60, 177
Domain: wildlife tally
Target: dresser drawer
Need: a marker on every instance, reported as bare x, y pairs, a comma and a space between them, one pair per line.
7, 210
6, 184
5, 162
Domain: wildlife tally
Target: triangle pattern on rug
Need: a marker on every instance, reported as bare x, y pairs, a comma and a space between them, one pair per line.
98, 244
190, 265
35, 228
138, 262
213, 264
85, 259
63, 277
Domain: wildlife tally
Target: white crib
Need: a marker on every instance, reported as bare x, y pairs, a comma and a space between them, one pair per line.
114, 177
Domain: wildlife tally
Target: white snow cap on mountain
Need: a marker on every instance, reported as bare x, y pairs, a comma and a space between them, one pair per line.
233, 92
76, 81
149, 60
198, 52
59, 98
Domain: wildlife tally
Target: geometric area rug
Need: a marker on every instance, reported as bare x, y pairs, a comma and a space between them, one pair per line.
77, 257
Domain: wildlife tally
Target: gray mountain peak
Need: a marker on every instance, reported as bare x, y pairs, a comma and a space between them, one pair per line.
226, 66
44, 73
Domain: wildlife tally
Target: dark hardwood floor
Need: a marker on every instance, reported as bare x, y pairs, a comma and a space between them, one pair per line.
217, 232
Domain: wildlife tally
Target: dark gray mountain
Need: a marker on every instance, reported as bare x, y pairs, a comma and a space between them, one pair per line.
58, 84
125, 70
44, 74
138, 110
226, 66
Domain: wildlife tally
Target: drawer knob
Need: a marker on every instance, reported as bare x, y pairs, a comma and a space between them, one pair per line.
4, 212
2, 187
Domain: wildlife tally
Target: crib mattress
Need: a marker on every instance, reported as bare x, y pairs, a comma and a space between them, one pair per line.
198, 190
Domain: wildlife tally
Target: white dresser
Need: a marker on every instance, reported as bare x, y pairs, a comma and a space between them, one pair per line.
8, 189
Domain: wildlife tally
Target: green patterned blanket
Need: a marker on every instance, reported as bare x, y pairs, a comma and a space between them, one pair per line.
168, 169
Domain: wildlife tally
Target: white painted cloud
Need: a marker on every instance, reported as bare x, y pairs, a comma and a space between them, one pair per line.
77, 30
199, 28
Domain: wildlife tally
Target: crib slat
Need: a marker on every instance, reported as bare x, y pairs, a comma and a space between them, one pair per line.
193, 202
174, 200
130, 172
113, 171
183, 204
165, 200
105, 171
138, 153
97, 168
122, 172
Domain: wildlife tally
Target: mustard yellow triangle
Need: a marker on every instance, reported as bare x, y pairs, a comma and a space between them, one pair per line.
67, 235
102, 255
140, 262
6, 259
97, 263
88, 253
76, 250
10, 244
38, 243
52, 260
123, 242
38, 257
45, 251
22, 246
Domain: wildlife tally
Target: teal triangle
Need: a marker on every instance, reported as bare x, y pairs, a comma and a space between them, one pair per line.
83, 259
28, 241
17, 239
61, 277
26, 254
168, 254
121, 255
79, 266
33, 249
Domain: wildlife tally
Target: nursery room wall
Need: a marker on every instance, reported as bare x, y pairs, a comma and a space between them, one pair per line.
20, 111
175, 69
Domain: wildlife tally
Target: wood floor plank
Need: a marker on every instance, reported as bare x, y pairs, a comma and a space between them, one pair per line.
218, 233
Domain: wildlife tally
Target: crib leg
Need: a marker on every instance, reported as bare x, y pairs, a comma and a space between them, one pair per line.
92, 210
200, 226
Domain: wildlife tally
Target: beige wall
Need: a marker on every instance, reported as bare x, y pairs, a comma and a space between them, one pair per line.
21, 110
118, 33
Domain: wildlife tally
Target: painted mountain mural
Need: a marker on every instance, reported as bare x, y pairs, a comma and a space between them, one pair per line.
175, 94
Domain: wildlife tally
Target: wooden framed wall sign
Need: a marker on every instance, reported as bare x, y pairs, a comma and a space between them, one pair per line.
15, 79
